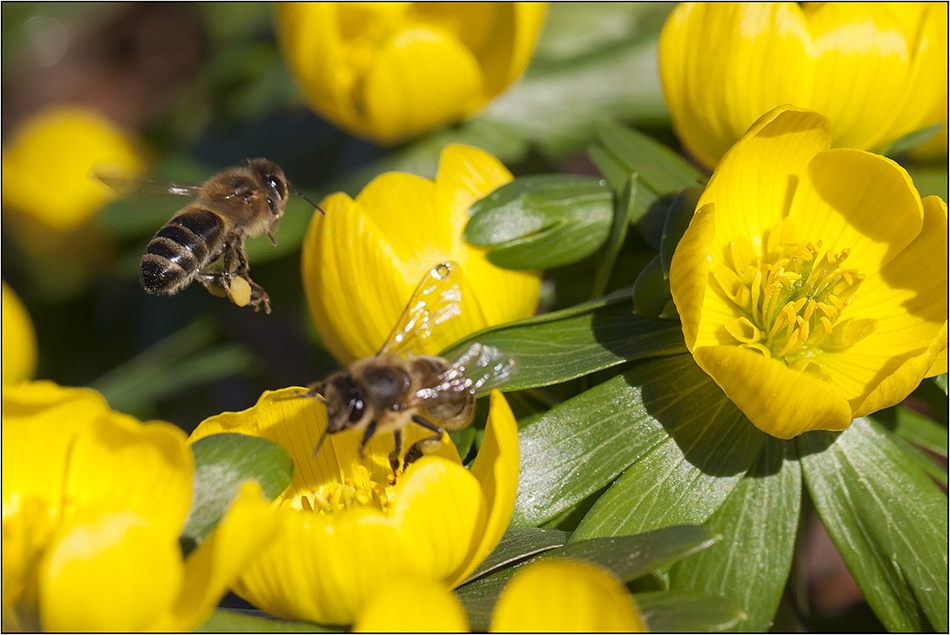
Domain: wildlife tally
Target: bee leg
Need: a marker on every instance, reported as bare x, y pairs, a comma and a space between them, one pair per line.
258, 295
394, 455
367, 435
414, 453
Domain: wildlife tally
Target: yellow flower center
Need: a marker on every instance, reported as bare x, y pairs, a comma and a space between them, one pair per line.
26, 534
792, 299
357, 490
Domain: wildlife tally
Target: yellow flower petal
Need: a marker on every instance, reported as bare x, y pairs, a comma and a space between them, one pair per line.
112, 571
860, 201
55, 152
874, 69
565, 596
345, 533
439, 499
496, 467
40, 423
362, 261
19, 339
702, 46
392, 70
123, 464
413, 606
777, 400
812, 289
422, 78
773, 156
248, 525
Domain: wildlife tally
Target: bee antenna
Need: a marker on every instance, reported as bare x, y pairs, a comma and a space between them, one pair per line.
323, 436
304, 197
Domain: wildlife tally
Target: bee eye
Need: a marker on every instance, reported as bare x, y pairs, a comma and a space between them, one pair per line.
356, 409
274, 183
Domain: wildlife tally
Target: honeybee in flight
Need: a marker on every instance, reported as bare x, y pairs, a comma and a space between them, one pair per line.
395, 388
240, 202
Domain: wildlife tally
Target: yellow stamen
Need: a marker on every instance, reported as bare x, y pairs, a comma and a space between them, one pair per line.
791, 298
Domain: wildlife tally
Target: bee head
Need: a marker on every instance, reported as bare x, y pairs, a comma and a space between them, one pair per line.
274, 182
345, 403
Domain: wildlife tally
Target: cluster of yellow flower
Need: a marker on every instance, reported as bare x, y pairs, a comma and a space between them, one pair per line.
811, 285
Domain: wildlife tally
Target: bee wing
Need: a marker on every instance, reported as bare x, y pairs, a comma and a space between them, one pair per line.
436, 299
126, 186
476, 370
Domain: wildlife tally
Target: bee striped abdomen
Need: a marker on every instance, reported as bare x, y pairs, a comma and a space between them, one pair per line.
180, 249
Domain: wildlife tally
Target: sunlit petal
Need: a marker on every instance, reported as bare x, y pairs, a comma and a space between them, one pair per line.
109, 571
413, 606
566, 596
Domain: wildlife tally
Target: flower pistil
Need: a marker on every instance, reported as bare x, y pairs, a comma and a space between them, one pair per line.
791, 299
337, 496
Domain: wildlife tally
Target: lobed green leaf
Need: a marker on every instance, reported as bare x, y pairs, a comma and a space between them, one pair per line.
542, 221
222, 463
887, 519
557, 347
758, 522
698, 447
689, 612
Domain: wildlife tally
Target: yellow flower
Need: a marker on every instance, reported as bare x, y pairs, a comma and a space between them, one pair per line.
93, 503
550, 596
362, 261
392, 70
878, 70
19, 339
812, 283
346, 534
49, 160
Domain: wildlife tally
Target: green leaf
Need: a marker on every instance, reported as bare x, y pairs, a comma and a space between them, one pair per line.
930, 179
660, 171
628, 557
912, 140
699, 447
888, 520
222, 463
618, 232
921, 430
517, 544
557, 347
688, 612
651, 291
941, 381
542, 221
578, 447
252, 621
758, 522
677, 221
618, 81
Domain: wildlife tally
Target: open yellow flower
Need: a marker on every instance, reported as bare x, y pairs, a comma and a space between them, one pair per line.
362, 261
812, 283
19, 339
93, 503
878, 70
346, 534
392, 70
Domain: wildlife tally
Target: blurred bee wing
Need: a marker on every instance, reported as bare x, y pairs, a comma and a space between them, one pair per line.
126, 186
477, 370
436, 299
